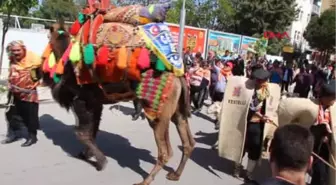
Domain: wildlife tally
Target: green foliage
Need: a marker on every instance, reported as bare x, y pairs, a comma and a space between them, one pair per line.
264, 15
274, 45
51, 9
320, 32
17, 6
211, 14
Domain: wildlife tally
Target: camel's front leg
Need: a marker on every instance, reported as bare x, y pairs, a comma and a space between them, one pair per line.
188, 144
160, 130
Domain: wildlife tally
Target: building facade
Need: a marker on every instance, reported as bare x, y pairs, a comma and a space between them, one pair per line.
307, 9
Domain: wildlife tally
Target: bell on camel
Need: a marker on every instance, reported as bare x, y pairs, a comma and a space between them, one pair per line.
89, 54
75, 53
102, 55
144, 60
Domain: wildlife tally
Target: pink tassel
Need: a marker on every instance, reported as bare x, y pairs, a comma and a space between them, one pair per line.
144, 60
66, 54
52, 72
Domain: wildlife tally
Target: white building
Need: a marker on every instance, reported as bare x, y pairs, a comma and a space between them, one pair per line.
307, 8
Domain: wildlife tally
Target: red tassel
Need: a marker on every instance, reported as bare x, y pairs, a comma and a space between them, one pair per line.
75, 28
103, 55
144, 60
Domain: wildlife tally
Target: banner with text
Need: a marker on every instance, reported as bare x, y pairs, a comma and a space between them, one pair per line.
219, 42
195, 38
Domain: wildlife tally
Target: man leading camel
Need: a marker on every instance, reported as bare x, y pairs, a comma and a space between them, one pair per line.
248, 108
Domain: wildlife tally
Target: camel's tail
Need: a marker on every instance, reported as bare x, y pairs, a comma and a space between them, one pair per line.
185, 107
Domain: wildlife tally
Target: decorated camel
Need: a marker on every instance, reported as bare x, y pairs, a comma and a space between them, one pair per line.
112, 54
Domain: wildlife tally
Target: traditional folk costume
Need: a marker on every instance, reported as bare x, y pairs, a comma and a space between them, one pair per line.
320, 118
23, 95
242, 121
324, 132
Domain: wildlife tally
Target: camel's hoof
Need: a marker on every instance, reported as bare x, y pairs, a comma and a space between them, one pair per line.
100, 166
173, 176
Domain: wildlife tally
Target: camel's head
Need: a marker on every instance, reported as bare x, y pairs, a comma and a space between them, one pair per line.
59, 38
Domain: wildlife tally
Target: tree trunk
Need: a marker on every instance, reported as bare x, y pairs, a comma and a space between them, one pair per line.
4, 32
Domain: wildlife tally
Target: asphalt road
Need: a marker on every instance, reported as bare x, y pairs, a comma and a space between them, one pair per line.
129, 146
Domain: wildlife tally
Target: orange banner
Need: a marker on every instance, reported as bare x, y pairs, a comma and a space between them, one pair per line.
193, 38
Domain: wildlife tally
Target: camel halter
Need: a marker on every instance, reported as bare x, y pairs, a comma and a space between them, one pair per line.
332, 166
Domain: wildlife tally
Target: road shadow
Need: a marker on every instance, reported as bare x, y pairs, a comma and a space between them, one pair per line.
112, 145
127, 111
206, 138
205, 117
210, 160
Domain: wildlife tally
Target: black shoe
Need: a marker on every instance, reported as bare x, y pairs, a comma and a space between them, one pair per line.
248, 177
136, 116
237, 170
10, 139
30, 141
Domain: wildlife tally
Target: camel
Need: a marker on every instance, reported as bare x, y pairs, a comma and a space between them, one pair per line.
87, 100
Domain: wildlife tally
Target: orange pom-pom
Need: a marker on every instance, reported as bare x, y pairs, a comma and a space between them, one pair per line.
59, 67
122, 58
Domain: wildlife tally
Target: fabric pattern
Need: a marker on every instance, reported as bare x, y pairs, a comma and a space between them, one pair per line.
154, 91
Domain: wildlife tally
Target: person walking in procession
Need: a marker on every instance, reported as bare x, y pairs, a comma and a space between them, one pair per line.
23, 80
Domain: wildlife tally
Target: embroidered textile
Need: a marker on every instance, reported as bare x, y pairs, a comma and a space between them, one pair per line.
154, 90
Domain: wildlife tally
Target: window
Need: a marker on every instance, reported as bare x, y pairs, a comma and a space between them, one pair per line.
300, 14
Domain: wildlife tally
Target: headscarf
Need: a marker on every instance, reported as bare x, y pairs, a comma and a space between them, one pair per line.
12, 44
29, 61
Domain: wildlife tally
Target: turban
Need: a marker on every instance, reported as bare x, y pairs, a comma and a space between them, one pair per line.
13, 43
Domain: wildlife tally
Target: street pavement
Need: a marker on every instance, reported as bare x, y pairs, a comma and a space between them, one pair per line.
129, 146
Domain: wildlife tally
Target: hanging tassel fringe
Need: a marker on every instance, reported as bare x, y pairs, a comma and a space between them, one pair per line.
89, 54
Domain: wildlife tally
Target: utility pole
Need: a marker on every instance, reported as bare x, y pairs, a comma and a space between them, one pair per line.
182, 25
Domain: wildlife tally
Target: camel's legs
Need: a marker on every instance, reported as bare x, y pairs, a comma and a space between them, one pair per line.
85, 129
169, 147
160, 130
187, 143
87, 153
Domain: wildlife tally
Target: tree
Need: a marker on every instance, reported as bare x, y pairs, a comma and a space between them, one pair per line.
320, 32
8, 7
211, 14
264, 15
65, 9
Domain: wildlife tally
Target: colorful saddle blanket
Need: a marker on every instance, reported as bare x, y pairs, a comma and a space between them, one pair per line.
154, 90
